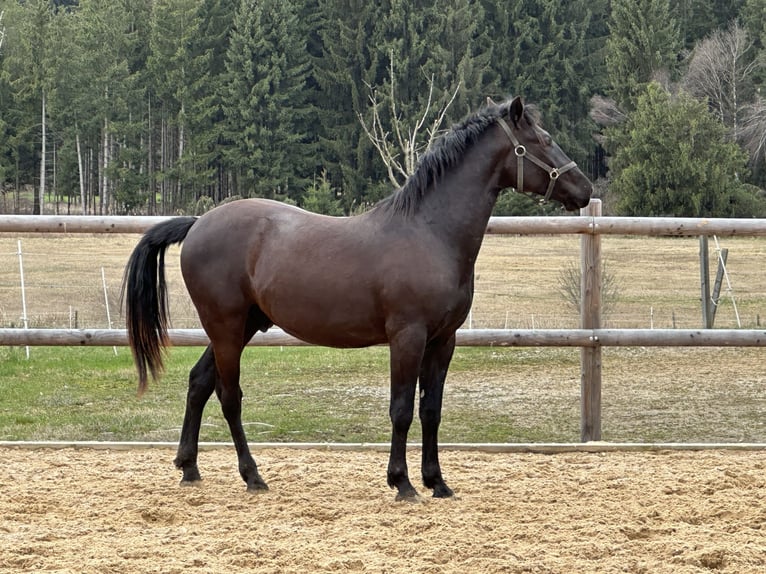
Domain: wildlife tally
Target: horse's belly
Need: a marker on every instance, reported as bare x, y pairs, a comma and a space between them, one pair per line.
336, 338
346, 321
342, 335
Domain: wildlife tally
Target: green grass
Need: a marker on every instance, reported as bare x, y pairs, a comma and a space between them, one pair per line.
316, 394
307, 394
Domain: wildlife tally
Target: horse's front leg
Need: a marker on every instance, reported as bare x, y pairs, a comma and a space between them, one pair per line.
406, 350
202, 379
433, 373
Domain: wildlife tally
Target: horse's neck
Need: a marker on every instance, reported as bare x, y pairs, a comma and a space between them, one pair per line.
459, 207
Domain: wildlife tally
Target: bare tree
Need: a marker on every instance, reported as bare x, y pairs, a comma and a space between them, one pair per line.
401, 147
720, 68
2, 28
605, 112
752, 134
570, 287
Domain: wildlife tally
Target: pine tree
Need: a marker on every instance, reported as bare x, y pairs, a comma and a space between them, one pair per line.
29, 47
754, 19
644, 42
695, 20
6, 104
458, 54
109, 101
205, 114
347, 63
724, 11
173, 72
265, 101
65, 108
672, 158
550, 53
320, 197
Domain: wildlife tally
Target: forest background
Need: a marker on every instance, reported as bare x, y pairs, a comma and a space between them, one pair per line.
174, 106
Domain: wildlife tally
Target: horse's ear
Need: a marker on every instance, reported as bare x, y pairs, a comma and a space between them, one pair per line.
517, 110
490, 101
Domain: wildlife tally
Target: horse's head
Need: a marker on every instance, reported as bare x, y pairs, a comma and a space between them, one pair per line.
535, 163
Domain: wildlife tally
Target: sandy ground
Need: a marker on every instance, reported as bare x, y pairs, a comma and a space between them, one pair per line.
123, 511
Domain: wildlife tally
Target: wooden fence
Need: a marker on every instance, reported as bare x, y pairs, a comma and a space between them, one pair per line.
590, 338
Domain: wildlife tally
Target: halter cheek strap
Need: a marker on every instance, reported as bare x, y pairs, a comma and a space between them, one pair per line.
521, 152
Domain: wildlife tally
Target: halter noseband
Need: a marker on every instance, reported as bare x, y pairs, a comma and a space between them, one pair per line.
521, 153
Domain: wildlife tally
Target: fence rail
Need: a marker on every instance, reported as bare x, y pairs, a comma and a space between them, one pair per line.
590, 338
555, 225
590, 225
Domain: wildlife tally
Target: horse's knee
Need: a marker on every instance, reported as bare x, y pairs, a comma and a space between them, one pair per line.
401, 420
401, 412
199, 392
430, 416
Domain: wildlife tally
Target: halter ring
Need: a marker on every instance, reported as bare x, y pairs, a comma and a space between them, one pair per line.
520, 151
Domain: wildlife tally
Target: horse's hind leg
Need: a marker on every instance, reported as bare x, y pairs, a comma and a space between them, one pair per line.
230, 395
202, 381
433, 373
228, 352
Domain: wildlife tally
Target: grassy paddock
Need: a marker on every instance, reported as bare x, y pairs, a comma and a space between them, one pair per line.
314, 394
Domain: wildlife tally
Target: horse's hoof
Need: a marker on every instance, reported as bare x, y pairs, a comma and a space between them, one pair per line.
190, 474
410, 496
443, 491
257, 487
190, 483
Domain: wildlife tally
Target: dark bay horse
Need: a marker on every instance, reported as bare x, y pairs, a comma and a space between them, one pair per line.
399, 274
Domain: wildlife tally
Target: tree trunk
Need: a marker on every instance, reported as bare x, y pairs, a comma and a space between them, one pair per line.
179, 193
150, 163
83, 205
54, 187
163, 180
38, 208
104, 179
92, 172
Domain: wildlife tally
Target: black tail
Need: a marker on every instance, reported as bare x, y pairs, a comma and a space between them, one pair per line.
146, 298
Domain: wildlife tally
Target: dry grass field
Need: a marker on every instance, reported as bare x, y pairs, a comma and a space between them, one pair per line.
518, 281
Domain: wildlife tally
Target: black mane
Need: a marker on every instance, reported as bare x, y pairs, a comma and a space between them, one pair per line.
445, 154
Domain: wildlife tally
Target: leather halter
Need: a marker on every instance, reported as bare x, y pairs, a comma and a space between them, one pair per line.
521, 152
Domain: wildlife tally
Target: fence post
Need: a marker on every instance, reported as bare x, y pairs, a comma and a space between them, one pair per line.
24, 317
707, 319
590, 318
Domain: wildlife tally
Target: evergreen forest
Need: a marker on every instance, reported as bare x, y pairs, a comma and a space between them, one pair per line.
174, 106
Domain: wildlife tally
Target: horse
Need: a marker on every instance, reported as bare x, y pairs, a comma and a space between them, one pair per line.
401, 274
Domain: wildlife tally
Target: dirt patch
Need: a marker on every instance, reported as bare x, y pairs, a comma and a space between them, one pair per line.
123, 511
